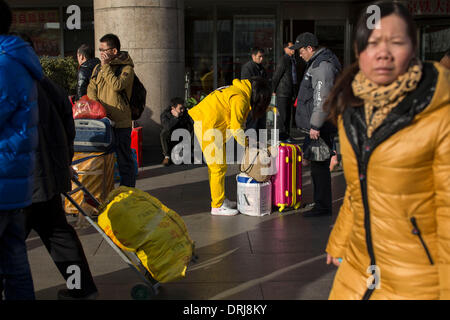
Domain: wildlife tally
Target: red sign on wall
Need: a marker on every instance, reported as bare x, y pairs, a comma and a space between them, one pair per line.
429, 7
33, 23
27, 17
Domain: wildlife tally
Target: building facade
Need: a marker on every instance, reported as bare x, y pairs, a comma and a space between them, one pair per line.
188, 48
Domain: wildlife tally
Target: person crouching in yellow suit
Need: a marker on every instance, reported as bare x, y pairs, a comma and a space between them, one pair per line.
219, 116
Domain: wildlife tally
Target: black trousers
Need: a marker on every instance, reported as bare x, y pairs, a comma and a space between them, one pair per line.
125, 160
284, 105
320, 173
48, 219
166, 142
321, 178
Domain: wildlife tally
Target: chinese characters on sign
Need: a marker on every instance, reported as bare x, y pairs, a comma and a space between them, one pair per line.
25, 17
35, 23
429, 7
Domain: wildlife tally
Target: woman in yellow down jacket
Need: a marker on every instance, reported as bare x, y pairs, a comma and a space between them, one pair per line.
393, 114
219, 116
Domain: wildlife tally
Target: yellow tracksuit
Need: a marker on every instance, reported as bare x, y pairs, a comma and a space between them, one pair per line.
217, 117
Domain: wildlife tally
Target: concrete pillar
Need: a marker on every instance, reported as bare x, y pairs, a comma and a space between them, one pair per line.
152, 31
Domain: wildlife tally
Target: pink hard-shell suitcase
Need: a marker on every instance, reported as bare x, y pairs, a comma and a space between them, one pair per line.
287, 183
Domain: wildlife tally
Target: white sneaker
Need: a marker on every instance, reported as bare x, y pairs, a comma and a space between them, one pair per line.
224, 211
229, 204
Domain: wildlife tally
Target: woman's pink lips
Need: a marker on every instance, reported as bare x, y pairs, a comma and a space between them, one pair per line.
383, 70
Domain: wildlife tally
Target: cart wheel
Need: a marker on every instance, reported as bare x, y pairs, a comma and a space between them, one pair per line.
142, 292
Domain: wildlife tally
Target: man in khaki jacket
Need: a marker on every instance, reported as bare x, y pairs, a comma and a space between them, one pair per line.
110, 82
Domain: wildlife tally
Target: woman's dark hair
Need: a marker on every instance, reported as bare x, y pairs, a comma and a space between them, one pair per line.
25, 37
112, 40
341, 96
5, 17
261, 95
447, 53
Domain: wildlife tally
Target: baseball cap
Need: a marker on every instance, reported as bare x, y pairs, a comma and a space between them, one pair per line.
304, 40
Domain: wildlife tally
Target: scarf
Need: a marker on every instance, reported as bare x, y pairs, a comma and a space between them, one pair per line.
379, 100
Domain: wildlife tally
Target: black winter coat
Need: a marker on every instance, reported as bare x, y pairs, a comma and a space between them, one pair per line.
84, 75
170, 123
252, 69
282, 81
56, 135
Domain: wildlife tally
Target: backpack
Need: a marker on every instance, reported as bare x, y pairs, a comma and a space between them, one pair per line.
138, 94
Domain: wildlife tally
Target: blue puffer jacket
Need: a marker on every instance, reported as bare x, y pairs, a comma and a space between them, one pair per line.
19, 68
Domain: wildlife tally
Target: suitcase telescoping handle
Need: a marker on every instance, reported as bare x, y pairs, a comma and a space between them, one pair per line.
274, 110
90, 198
140, 270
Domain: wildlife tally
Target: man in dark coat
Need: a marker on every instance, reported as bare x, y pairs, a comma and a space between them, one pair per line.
87, 62
283, 82
173, 117
321, 70
254, 68
52, 175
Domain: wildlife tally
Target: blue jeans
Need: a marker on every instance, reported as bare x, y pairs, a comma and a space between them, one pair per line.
15, 274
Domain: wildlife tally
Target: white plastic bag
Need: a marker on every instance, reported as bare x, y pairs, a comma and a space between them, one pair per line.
253, 198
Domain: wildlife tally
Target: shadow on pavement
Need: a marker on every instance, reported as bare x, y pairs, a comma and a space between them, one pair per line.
159, 171
279, 259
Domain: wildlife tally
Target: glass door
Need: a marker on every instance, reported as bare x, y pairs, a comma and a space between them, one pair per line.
250, 32
435, 41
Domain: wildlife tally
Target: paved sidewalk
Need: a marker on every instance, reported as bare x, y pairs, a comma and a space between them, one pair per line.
280, 256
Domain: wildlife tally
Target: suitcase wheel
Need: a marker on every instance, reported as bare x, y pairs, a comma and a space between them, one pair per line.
194, 258
143, 292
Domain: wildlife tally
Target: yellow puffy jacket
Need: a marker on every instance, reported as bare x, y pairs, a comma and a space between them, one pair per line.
225, 108
396, 210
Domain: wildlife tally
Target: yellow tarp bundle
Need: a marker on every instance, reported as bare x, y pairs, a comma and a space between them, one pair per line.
140, 223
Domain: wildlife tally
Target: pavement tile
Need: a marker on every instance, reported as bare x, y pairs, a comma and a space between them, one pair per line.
279, 256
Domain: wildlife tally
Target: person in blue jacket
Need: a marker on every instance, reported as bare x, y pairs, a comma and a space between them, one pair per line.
19, 70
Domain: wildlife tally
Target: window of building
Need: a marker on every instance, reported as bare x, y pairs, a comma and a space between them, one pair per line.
42, 26
435, 41
199, 35
218, 41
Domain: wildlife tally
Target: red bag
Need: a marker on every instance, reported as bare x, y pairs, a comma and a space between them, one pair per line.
295, 103
86, 108
136, 144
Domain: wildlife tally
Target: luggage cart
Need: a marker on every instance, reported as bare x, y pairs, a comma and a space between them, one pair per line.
149, 286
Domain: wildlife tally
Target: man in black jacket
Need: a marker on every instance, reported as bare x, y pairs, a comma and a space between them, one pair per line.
174, 117
53, 171
87, 62
283, 82
52, 176
254, 68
